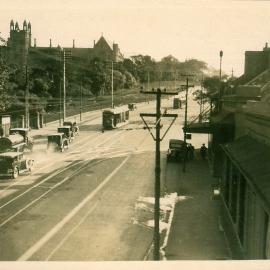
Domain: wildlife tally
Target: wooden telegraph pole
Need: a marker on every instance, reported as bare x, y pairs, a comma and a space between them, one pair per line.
187, 86
64, 55
158, 139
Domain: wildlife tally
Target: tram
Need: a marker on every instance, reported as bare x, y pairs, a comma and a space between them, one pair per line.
114, 118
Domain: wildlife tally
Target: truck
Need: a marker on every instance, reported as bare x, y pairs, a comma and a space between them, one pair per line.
24, 132
12, 143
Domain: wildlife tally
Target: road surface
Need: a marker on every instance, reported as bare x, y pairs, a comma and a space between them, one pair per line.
93, 202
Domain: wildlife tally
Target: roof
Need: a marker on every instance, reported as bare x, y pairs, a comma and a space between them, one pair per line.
117, 109
204, 128
252, 158
65, 127
103, 43
25, 129
56, 134
223, 117
10, 154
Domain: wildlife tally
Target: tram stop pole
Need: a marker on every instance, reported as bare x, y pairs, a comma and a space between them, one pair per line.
158, 139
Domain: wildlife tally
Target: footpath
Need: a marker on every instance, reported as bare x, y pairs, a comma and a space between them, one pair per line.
195, 231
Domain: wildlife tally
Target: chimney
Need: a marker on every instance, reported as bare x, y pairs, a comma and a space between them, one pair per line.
94, 43
50, 42
73, 43
35, 42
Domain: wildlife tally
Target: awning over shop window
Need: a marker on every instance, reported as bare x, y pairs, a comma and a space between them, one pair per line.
253, 160
204, 128
223, 118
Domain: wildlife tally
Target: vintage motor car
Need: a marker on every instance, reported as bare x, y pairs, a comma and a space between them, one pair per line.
67, 131
14, 163
12, 143
57, 142
24, 132
176, 150
73, 125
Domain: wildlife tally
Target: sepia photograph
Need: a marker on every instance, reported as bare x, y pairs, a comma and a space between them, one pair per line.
134, 134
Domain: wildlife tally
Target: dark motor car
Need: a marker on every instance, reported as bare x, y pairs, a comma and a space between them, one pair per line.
14, 163
73, 125
57, 141
67, 131
29, 141
176, 150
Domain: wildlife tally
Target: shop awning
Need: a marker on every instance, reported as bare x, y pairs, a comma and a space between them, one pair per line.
204, 128
253, 159
223, 118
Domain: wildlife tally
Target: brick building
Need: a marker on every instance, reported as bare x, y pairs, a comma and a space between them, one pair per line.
19, 46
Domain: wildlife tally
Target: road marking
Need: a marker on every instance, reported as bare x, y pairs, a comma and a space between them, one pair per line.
31, 251
46, 179
71, 232
61, 159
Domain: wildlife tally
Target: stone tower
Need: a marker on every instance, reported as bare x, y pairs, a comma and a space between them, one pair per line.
19, 42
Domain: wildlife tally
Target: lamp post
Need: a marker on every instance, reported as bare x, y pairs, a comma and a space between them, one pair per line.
220, 62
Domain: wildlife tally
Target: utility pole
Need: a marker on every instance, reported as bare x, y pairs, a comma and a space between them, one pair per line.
201, 100
64, 55
80, 101
158, 139
187, 86
175, 79
64, 85
112, 86
60, 103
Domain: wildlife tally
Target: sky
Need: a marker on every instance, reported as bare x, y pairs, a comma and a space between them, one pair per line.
185, 29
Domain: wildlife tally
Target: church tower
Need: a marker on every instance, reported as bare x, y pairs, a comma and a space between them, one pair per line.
19, 42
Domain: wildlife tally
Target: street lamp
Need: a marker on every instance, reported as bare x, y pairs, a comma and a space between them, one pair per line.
220, 61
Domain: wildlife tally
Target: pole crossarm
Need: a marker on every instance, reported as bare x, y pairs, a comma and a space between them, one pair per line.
162, 93
169, 115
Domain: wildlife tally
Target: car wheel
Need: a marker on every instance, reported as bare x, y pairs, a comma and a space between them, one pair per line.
15, 173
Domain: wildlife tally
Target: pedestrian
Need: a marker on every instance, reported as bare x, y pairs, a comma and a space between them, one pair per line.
191, 151
203, 151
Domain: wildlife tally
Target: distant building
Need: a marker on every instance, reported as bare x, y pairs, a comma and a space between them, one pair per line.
19, 46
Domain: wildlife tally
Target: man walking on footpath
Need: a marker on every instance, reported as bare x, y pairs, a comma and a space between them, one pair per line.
203, 151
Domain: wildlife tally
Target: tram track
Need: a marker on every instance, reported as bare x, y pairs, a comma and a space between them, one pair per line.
60, 159
27, 255
82, 163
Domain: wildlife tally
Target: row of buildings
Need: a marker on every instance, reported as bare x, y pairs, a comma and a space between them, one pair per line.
239, 153
20, 45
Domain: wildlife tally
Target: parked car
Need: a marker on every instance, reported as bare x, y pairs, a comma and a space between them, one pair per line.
176, 150
57, 142
14, 163
73, 125
67, 131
